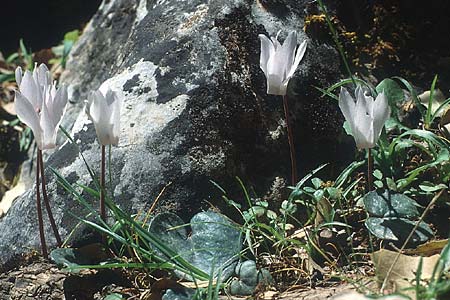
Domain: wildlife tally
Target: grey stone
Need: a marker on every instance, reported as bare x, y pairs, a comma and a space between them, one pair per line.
195, 109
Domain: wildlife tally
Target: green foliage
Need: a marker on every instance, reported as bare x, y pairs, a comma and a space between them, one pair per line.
132, 234
62, 51
392, 215
438, 287
214, 242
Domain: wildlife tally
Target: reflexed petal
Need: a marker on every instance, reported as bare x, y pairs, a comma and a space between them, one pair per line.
49, 128
110, 97
298, 57
53, 90
43, 76
18, 75
276, 43
363, 121
347, 105
381, 112
115, 118
88, 103
275, 69
31, 91
267, 50
26, 113
59, 104
287, 51
97, 107
101, 114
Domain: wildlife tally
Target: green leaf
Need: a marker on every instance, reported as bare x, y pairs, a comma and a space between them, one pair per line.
114, 296
393, 92
72, 35
377, 174
317, 182
391, 184
69, 257
318, 195
398, 229
347, 128
378, 184
390, 204
333, 192
431, 187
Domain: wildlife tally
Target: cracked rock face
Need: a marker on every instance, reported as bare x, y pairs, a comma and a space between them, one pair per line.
195, 108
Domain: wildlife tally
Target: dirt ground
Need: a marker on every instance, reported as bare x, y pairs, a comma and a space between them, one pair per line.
41, 279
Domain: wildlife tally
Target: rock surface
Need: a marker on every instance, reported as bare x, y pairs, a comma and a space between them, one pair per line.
195, 108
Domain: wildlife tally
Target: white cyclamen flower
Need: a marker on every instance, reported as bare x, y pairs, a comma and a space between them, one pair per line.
279, 62
365, 116
103, 108
40, 105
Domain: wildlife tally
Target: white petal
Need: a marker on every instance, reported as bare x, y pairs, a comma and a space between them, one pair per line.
97, 107
27, 114
101, 113
347, 105
275, 71
275, 85
115, 118
288, 51
31, 91
59, 103
267, 50
298, 57
381, 112
43, 76
363, 134
88, 103
49, 128
18, 75
276, 43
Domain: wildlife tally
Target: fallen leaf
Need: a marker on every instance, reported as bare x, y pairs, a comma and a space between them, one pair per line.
429, 248
10, 196
358, 296
404, 271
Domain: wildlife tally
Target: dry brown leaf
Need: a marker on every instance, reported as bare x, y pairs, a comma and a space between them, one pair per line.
429, 248
10, 196
404, 270
358, 296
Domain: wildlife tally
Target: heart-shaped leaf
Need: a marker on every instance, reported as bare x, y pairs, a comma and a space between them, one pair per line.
398, 229
390, 204
214, 244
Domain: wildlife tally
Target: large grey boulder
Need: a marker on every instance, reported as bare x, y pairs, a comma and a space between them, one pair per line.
195, 108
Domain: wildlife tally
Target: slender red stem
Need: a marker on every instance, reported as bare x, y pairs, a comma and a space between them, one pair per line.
39, 212
102, 186
291, 142
47, 202
369, 170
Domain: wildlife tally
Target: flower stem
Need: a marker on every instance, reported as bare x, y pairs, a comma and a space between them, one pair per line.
46, 201
291, 142
39, 212
369, 169
102, 186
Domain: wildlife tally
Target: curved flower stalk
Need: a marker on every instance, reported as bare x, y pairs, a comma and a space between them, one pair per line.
366, 118
279, 62
41, 106
103, 108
